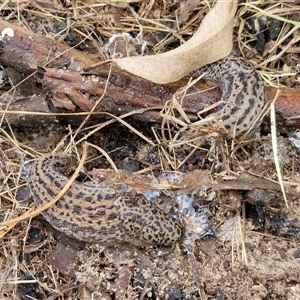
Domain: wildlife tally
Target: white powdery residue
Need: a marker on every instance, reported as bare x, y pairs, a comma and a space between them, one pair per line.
7, 32
152, 196
296, 143
124, 45
125, 188
196, 223
185, 203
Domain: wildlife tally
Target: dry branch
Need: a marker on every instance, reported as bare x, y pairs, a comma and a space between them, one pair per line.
61, 71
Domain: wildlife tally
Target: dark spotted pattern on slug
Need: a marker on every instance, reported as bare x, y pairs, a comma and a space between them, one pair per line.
242, 90
99, 215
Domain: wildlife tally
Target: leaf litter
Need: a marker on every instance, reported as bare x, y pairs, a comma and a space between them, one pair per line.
255, 254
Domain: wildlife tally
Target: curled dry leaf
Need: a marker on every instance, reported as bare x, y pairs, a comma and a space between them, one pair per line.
212, 41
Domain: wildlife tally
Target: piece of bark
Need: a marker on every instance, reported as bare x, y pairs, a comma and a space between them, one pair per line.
16, 113
61, 70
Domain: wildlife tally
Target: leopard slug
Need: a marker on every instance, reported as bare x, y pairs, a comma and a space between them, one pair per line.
94, 214
243, 93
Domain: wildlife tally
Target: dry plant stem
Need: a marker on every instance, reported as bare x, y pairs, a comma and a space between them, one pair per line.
121, 95
144, 291
106, 156
241, 233
275, 150
196, 274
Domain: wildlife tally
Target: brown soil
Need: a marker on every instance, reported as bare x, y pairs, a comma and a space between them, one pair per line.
256, 254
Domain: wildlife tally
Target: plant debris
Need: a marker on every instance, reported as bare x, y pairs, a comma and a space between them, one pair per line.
256, 250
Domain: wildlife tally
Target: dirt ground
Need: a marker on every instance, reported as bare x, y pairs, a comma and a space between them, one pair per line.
255, 253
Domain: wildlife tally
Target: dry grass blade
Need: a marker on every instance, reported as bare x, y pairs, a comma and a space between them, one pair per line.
106, 156
275, 148
274, 14
241, 232
267, 34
